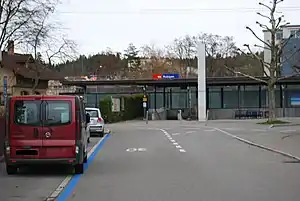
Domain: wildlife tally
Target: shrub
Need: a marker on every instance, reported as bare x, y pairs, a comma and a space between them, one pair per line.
133, 108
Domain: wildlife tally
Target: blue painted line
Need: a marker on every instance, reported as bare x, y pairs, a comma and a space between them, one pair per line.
75, 179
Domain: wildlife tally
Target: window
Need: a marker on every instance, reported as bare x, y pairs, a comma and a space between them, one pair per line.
295, 33
93, 113
214, 98
230, 97
27, 112
279, 35
57, 113
249, 97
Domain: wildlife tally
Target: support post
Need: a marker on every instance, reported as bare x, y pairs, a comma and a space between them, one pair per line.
201, 82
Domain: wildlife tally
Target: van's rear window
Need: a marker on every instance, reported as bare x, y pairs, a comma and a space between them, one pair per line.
27, 112
57, 113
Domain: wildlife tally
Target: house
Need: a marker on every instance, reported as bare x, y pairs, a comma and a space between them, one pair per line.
289, 36
21, 71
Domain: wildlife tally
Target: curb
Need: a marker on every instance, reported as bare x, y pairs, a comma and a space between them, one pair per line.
258, 145
284, 125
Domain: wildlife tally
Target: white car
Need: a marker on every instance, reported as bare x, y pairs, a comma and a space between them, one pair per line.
96, 124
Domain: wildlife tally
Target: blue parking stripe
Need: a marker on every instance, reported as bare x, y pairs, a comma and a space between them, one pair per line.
72, 184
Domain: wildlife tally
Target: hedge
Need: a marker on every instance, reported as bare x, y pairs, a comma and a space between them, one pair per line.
133, 108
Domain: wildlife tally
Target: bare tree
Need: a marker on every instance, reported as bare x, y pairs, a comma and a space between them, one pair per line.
47, 45
276, 47
154, 61
184, 50
17, 15
217, 48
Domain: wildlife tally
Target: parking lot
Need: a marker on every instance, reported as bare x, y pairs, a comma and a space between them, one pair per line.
174, 161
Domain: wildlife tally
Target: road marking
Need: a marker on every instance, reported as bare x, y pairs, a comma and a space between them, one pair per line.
142, 149
288, 131
131, 149
176, 134
259, 145
62, 192
188, 132
211, 130
259, 130
173, 141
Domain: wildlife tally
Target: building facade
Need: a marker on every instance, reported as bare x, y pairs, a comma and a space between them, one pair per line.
290, 58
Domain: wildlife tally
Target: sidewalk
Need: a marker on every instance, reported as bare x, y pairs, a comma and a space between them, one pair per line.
285, 139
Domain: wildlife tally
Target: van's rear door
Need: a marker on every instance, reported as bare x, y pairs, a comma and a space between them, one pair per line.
59, 128
25, 127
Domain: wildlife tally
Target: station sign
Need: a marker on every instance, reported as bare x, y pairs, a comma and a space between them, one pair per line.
170, 76
165, 76
157, 76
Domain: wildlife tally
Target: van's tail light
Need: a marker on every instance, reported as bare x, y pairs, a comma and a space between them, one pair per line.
99, 120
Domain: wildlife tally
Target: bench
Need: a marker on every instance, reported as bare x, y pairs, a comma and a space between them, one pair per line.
250, 114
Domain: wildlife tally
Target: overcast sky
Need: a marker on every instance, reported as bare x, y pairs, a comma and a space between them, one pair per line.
98, 24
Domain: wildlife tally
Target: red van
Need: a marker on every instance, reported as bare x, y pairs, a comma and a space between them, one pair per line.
45, 129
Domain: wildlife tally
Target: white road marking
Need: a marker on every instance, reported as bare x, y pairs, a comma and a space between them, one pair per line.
142, 149
173, 141
176, 134
259, 130
188, 132
288, 131
65, 182
259, 145
211, 130
131, 149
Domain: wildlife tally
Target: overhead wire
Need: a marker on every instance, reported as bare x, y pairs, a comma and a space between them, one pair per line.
179, 10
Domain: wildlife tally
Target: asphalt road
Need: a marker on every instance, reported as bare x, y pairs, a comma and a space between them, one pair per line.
34, 183
176, 162
167, 161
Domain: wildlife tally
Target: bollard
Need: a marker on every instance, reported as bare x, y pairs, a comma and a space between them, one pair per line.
206, 119
147, 116
179, 116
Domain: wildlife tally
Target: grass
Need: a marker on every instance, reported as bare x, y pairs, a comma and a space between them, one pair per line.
273, 122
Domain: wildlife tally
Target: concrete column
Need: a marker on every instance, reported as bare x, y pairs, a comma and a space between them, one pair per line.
201, 82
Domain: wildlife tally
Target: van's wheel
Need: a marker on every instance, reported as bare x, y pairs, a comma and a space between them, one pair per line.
101, 134
11, 169
79, 169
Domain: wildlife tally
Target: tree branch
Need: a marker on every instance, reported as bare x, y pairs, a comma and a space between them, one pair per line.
267, 44
245, 75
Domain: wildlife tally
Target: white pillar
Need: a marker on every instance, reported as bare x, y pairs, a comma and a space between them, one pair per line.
201, 82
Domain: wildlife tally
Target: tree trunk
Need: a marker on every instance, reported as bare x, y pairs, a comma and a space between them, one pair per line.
272, 106
36, 82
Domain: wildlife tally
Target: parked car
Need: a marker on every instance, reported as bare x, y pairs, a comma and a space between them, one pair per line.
96, 124
45, 129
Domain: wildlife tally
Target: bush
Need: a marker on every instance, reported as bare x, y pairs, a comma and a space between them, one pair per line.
133, 108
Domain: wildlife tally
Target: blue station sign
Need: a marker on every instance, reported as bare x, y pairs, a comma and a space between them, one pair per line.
170, 76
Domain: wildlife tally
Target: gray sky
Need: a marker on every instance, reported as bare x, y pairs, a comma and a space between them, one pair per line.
98, 24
